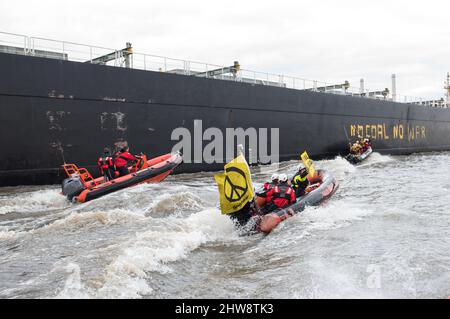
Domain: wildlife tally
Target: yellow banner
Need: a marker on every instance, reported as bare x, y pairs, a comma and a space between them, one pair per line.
308, 163
235, 185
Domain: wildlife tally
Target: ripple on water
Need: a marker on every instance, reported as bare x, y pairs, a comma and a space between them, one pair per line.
389, 219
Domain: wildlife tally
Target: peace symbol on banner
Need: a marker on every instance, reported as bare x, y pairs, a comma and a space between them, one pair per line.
235, 184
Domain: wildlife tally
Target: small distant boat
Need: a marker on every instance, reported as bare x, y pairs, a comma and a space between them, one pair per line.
81, 187
356, 159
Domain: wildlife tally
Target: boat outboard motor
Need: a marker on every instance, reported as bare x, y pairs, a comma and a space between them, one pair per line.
72, 187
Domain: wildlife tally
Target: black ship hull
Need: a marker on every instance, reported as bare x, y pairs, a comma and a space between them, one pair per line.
53, 111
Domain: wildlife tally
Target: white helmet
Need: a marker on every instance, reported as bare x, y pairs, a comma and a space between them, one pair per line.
283, 177
302, 169
274, 177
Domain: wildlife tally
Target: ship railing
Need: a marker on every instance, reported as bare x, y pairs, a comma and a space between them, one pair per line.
69, 50
441, 103
42, 47
13, 43
170, 65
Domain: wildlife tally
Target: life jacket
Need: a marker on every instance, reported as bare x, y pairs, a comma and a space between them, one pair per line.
300, 181
268, 186
104, 162
356, 148
366, 146
122, 159
282, 195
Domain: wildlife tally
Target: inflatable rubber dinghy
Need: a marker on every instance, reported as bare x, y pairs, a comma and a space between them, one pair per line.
323, 185
356, 159
81, 187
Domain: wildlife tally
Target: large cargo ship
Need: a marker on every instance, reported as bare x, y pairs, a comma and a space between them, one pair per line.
56, 107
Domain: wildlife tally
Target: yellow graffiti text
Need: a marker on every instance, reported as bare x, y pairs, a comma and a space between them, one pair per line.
384, 131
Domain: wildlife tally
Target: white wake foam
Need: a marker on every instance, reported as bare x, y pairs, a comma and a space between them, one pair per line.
73, 287
376, 158
175, 203
7, 235
153, 251
333, 214
84, 220
42, 200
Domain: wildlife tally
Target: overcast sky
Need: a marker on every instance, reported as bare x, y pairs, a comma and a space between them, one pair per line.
329, 41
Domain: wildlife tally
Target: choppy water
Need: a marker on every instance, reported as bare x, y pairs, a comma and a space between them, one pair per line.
384, 234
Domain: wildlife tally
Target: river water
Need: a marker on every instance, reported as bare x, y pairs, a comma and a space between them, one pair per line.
384, 234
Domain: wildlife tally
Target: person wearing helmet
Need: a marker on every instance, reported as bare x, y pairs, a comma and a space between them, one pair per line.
366, 144
105, 165
282, 178
268, 186
280, 196
122, 160
273, 181
300, 181
361, 143
356, 148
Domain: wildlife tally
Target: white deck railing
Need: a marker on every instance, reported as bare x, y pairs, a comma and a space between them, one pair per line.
41, 47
